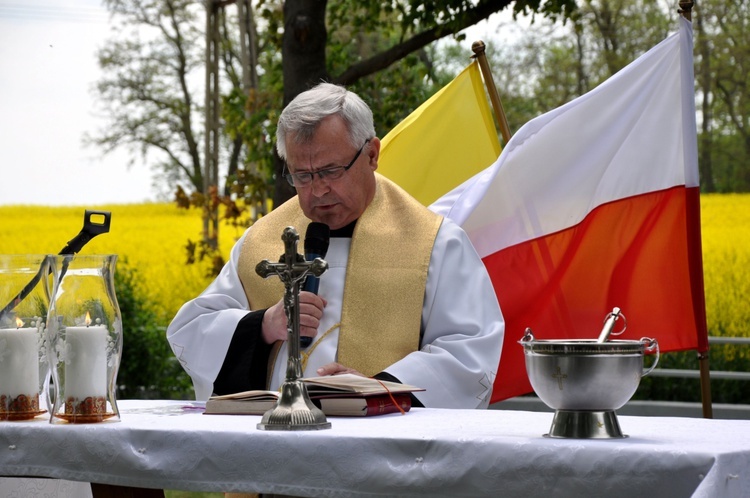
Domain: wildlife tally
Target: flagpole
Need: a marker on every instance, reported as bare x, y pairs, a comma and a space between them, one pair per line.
478, 48
686, 11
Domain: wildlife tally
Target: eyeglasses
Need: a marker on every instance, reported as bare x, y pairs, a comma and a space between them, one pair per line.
304, 179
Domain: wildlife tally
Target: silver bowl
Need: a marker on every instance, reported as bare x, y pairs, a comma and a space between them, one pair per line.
585, 381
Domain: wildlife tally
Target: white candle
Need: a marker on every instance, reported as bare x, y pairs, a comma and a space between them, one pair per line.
19, 362
85, 362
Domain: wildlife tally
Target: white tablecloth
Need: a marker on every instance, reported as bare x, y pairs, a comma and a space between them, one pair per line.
427, 452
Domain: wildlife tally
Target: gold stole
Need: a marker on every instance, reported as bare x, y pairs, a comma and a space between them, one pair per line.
385, 278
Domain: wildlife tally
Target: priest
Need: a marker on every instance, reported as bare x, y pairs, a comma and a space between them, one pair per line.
405, 297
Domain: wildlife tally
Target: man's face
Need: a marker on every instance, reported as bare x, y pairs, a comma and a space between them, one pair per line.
334, 202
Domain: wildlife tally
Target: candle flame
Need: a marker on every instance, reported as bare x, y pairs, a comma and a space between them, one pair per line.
88, 319
19, 322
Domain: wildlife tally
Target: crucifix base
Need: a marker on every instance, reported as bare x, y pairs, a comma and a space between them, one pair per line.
294, 411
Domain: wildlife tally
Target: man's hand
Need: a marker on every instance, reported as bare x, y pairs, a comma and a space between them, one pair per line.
336, 369
310, 311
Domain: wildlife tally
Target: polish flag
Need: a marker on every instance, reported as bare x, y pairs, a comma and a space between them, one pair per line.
592, 206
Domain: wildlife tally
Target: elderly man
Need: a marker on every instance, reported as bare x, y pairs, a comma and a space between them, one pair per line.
405, 298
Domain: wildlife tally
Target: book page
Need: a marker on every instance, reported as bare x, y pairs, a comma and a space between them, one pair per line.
350, 383
249, 395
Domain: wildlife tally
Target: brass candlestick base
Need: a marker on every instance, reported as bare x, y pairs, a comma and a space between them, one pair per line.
294, 411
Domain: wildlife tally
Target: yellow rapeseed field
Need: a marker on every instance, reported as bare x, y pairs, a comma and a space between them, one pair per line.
725, 227
151, 238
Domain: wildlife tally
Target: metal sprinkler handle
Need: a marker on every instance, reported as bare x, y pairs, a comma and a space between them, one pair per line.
91, 229
609, 324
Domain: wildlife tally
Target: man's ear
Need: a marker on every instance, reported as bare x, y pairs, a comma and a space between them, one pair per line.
373, 152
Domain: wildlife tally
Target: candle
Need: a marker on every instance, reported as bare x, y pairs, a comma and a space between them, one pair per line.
19, 363
85, 363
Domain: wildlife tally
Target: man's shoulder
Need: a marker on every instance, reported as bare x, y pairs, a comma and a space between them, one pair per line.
450, 230
405, 200
272, 224
288, 209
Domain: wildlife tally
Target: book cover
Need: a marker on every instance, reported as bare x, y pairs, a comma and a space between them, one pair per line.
336, 395
359, 406
365, 406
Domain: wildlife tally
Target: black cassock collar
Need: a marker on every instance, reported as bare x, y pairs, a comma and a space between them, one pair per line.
344, 232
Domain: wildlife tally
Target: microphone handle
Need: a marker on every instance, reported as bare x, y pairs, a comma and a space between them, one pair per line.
312, 283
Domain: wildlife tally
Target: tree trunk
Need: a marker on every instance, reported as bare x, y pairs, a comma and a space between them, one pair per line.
211, 162
303, 61
704, 80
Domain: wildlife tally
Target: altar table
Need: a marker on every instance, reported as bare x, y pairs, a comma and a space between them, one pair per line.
427, 452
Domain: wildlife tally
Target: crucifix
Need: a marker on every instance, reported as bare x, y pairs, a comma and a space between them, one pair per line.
294, 411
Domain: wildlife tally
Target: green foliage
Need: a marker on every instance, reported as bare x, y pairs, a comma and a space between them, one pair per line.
148, 368
415, 16
400, 88
721, 358
730, 163
149, 95
723, 70
553, 62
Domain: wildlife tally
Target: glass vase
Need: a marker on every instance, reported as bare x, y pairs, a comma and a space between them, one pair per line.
26, 281
84, 330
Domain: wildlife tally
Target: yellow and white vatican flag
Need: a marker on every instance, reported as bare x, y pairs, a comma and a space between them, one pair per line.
445, 141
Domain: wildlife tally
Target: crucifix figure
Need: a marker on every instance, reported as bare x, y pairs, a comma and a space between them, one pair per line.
294, 411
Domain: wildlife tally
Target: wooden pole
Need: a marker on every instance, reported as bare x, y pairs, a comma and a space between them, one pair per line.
708, 411
478, 48
686, 11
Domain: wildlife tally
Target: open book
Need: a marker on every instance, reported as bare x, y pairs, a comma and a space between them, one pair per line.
337, 395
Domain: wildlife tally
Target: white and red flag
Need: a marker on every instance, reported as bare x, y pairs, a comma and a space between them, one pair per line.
592, 206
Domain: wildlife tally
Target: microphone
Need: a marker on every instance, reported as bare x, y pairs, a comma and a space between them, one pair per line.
317, 237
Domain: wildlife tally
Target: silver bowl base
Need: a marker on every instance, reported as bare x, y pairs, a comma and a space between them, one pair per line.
585, 425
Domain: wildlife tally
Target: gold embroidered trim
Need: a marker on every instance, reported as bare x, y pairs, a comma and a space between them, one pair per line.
306, 354
383, 298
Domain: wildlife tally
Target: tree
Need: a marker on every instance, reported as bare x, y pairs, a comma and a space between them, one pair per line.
146, 90
703, 74
149, 94
724, 81
150, 85
556, 62
419, 24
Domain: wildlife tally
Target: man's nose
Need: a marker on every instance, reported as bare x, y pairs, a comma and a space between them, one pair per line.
319, 186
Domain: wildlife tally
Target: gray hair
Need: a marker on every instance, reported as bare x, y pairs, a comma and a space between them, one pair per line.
301, 117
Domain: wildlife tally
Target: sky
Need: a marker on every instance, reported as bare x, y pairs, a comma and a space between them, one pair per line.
47, 72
